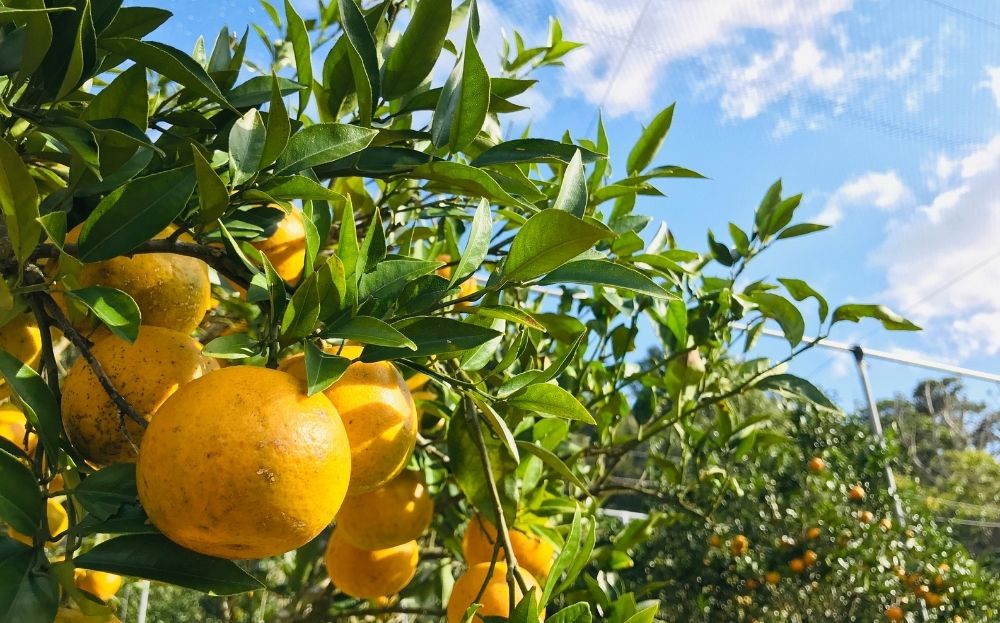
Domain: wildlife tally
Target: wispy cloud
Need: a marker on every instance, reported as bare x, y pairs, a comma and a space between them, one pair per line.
882, 190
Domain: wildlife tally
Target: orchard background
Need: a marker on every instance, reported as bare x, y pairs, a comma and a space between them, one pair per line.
313, 338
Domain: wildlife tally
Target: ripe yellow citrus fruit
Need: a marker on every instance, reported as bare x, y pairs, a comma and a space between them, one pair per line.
13, 426
397, 512
894, 613
932, 599
715, 541
813, 533
496, 598
72, 615
772, 578
797, 565
381, 422
58, 522
146, 373
21, 338
532, 552
286, 247
866, 517
242, 464
367, 574
98, 583
816, 465
740, 545
856, 493
171, 290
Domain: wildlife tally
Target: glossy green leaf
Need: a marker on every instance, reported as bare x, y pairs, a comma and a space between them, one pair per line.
246, 146
433, 335
650, 141
260, 89
155, 557
292, 187
279, 127
533, 150
124, 98
298, 34
40, 406
135, 213
418, 49
548, 240
322, 369
790, 384
577, 613
463, 179
513, 314
27, 592
321, 143
477, 244
302, 310
105, 491
890, 320
606, 273
800, 291
349, 253
465, 99
573, 191
19, 202
801, 230
783, 312
468, 468
233, 346
389, 278
363, 57
368, 330
553, 462
167, 61
20, 500
116, 309
213, 196
551, 400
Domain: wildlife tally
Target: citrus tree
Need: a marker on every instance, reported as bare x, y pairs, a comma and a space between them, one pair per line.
246, 300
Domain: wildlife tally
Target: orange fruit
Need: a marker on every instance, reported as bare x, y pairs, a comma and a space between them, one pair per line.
856, 493
866, 517
922, 590
739, 545
368, 574
932, 599
809, 557
797, 565
397, 512
58, 521
286, 247
495, 599
772, 578
816, 465
813, 533
241, 463
146, 373
715, 541
98, 583
533, 553
21, 337
894, 613
381, 421
886, 524
172, 291
13, 426
751, 584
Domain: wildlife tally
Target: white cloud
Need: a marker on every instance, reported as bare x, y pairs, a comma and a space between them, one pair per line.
992, 83
941, 261
884, 191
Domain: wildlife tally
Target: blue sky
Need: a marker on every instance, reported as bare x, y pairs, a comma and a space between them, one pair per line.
883, 112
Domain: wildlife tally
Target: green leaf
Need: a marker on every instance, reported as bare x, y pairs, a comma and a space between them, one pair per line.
477, 244
740, 239
498, 426
389, 278
298, 34
40, 406
27, 592
294, 187
782, 214
791, 384
321, 143
779, 309
432, 335
19, 202
465, 99
233, 346
889, 319
368, 330
167, 61
767, 205
213, 196
414, 55
259, 89
373, 247
20, 500
8, 14
507, 312
114, 308
463, 179
322, 369
606, 273
566, 556
554, 462
135, 213
801, 230
524, 150
548, 399
82, 55
125, 97
349, 252
548, 240
302, 311
246, 146
105, 491
800, 291
37, 30
135, 22
650, 141
577, 613
279, 127
573, 191
155, 557
363, 56
467, 466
